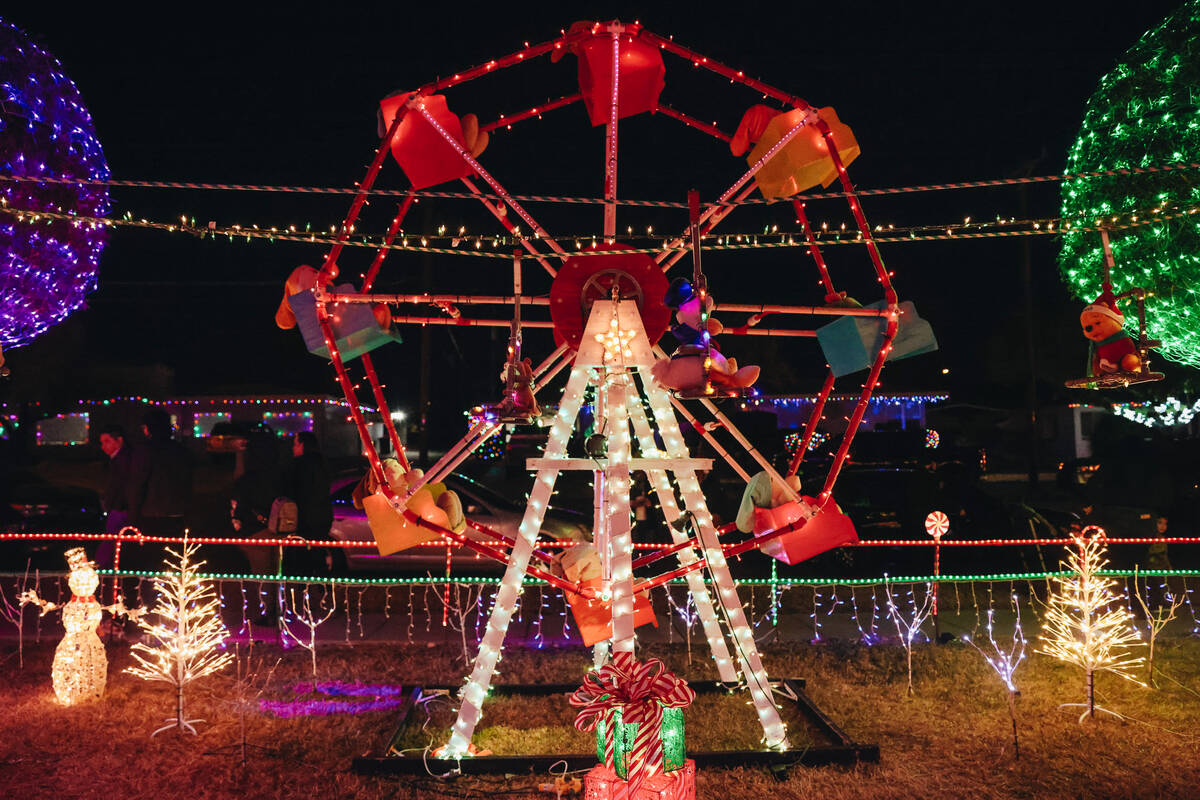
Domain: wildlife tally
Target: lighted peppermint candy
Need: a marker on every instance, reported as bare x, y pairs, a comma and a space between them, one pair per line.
47, 265
937, 524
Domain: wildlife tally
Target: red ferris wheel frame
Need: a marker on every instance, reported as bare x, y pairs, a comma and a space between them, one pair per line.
544, 250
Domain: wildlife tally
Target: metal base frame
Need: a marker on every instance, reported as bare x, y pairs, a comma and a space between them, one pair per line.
789, 694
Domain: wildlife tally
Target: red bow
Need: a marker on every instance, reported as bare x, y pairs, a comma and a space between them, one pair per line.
640, 690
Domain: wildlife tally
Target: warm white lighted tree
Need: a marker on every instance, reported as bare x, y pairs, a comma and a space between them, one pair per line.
1085, 624
187, 634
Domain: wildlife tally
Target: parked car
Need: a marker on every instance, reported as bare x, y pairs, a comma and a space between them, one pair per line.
481, 504
29, 503
231, 437
893, 503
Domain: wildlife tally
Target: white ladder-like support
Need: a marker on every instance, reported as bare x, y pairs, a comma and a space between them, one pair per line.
609, 367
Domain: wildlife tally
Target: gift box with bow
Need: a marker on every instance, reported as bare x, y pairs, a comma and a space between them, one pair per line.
635, 708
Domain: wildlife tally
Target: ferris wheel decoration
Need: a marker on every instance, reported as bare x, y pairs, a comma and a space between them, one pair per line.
1116, 358
608, 305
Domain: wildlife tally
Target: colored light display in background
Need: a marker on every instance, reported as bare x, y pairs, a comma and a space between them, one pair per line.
493, 448
47, 267
932, 439
269, 400
287, 423
203, 423
877, 401
1143, 113
1167, 414
375, 697
792, 441
63, 430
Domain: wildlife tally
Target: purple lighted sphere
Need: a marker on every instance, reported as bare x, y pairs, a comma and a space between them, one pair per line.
47, 267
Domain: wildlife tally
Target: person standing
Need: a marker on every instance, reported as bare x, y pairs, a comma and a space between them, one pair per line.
118, 489
254, 492
309, 486
162, 492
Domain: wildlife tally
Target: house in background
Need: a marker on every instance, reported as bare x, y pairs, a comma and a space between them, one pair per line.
884, 411
196, 419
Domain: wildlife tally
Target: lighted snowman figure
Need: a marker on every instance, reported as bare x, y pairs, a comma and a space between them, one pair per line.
80, 667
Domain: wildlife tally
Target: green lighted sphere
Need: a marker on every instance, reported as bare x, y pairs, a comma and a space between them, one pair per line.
1145, 113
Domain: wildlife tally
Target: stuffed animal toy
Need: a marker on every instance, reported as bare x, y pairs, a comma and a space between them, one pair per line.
1112, 348
304, 278
518, 392
433, 501
685, 371
476, 141
761, 493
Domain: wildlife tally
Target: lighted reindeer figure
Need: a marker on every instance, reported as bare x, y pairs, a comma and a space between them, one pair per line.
80, 668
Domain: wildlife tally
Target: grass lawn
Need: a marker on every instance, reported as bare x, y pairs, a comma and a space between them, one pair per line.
952, 739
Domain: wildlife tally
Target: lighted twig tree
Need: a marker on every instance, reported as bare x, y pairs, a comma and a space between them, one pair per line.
1085, 625
297, 614
1156, 619
15, 613
187, 635
908, 625
1005, 662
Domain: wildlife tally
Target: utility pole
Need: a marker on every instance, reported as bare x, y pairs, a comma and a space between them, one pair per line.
1030, 333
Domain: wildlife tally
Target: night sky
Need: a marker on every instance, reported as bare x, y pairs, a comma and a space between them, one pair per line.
934, 93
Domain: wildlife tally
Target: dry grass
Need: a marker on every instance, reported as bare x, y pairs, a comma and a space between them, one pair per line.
952, 740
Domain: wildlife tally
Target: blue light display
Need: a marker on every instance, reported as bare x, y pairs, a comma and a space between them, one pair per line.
47, 267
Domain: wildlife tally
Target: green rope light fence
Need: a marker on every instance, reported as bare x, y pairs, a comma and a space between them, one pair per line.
775, 582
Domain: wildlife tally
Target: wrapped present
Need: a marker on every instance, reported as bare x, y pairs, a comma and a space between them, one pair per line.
356, 330
602, 783
593, 616
420, 150
804, 161
640, 79
850, 344
641, 693
830, 528
624, 735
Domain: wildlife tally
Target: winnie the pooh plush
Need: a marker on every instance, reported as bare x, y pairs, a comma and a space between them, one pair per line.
1112, 348
685, 370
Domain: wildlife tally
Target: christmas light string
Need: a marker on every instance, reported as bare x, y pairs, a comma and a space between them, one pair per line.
473, 245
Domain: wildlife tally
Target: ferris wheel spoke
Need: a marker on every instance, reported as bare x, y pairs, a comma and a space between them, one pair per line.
708, 220
497, 211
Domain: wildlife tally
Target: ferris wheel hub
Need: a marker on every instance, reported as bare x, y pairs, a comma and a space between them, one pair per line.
583, 279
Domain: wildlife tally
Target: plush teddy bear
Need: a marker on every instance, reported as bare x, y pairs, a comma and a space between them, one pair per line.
762, 493
1112, 348
685, 371
432, 502
304, 278
518, 393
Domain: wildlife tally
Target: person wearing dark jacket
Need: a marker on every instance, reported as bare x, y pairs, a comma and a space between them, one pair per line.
309, 486
161, 495
254, 492
119, 489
